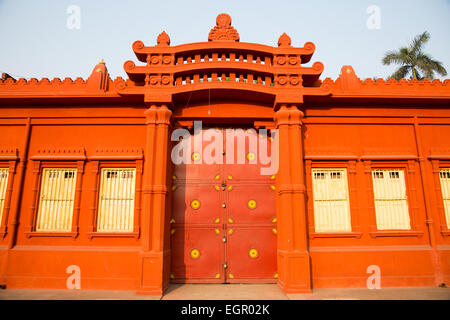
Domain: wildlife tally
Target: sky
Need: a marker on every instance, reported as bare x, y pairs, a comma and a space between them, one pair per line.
40, 38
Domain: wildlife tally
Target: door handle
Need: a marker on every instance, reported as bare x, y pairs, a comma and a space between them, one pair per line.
224, 239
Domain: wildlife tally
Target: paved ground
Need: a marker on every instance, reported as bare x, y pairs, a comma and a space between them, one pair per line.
232, 292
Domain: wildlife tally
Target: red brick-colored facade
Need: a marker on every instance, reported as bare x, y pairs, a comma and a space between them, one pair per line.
346, 123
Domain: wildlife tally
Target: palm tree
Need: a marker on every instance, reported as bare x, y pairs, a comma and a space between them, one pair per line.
413, 60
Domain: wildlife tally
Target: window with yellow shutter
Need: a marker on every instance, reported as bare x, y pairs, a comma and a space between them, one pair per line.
391, 206
331, 200
56, 200
3, 184
116, 200
444, 176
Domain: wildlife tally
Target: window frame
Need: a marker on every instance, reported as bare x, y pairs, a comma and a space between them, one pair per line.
95, 194
409, 172
352, 191
11, 165
437, 166
38, 169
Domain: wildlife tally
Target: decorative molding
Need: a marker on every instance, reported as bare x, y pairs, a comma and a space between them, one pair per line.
113, 235
445, 232
9, 154
330, 153
187, 124
439, 154
52, 154
31, 234
269, 125
292, 188
117, 154
356, 235
348, 85
303, 81
387, 154
396, 233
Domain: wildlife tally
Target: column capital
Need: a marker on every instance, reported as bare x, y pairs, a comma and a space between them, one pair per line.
288, 115
282, 116
150, 114
163, 115
158, 114
296, 115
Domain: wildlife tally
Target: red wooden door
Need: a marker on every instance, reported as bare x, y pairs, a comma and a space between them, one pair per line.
223, 218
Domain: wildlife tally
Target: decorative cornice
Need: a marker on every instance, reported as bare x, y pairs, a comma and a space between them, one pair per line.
117, 154
50, 153
330, 153
224, 63
348, 85
439, 154
8, 154
387, 153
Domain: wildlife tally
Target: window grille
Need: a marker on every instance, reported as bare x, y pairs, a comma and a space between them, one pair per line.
56, 200
331, 200
445, 187
3, 184
391, 205
116, 200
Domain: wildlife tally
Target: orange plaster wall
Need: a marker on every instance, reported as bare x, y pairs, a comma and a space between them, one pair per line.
404, 261
41, 262
112, 263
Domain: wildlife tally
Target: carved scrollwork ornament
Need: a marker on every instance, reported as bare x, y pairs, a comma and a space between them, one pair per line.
154, 59
295, 80
282, 80
167, 59
281, 60
154, 80
165, 79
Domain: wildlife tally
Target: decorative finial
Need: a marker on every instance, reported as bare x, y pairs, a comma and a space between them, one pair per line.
102, 61
223, 31
163, 39
284, 40
223, 20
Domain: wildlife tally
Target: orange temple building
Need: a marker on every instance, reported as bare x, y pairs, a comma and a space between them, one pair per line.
89, 191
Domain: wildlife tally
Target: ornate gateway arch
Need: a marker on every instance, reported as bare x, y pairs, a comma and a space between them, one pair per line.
224, 67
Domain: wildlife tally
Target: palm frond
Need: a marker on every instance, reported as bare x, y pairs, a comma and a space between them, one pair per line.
413, 60
429, 66
419, 41
400, 73
398, 57
418, 75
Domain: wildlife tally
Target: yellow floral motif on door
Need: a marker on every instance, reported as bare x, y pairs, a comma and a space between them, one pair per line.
195, 253
195, 204
253, 253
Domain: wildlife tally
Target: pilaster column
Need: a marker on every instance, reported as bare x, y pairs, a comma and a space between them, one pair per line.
293, 257
155, 255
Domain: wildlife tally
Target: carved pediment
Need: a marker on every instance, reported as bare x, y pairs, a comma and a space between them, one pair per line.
223, 31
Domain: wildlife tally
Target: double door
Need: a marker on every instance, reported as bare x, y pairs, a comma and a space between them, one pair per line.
223, 224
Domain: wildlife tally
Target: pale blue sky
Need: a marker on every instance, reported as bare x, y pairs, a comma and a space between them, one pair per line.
35, 41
